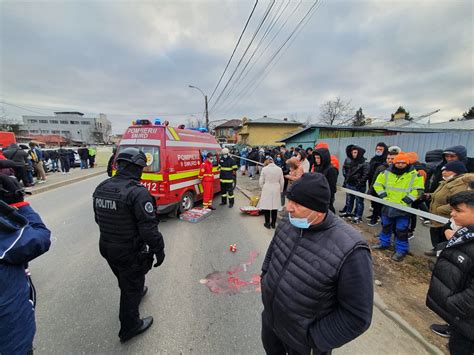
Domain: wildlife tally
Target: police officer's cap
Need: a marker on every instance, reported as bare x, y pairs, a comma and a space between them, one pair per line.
132, 155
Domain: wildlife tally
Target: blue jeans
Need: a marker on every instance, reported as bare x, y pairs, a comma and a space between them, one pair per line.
401, 232
54, 165
350, 201
84, 164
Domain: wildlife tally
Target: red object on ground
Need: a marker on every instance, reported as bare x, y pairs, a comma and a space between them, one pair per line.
233, 248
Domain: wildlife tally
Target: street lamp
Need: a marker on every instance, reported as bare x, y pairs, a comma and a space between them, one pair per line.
205, 103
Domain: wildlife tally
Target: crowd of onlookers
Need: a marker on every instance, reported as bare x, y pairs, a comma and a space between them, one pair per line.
31, 165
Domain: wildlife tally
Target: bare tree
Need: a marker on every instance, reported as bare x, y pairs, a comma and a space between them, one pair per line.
337, 112
9, 124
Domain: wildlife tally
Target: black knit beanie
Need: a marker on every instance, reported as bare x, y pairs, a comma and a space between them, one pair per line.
312, 191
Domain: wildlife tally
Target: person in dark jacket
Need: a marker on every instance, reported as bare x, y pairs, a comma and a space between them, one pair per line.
451, 291
322, 164
310, 157
381, 152
345, 170
24, 237
252, 162
432, 159
458, 152
64, 159
329, 302
129, 238
84, 156
54, 156
356, 177
20, 157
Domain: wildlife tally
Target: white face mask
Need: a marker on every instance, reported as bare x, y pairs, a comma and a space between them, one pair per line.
447, 178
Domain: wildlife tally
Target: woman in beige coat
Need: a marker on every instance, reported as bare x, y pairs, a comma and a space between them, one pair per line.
272, 183
455, 180
296, 169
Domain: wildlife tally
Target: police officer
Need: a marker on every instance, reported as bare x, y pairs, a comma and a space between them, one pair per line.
129, 237
228, 174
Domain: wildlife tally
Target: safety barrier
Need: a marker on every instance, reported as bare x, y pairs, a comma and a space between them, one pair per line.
426, 215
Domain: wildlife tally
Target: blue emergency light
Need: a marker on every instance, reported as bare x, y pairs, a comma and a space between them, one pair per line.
142, 122
200, 129
157, 121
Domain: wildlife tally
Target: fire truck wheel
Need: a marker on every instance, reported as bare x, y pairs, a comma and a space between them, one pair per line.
187, 202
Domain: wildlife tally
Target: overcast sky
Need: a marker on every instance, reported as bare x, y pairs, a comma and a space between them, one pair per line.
136, 59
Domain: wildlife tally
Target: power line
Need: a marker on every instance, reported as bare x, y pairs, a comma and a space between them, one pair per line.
265, 49
23, 108
235, 48
279, 53
268, 29
246, 50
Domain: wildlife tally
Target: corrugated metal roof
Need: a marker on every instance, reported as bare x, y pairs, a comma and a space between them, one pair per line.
454, 125
269, 120
230, 123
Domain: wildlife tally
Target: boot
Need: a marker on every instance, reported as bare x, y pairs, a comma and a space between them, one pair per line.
398, 257
223, 203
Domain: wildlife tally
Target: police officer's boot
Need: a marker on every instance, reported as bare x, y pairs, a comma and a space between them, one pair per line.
223, 202
231, 203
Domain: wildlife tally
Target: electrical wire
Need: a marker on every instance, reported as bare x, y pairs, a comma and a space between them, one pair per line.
270, 6
235, 48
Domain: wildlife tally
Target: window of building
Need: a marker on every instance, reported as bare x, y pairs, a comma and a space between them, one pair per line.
43, 121
74, 122
85, 122
45, 131
32, 121
24, 131
55, 132
54, 121
64, 122
34, 131
65, 132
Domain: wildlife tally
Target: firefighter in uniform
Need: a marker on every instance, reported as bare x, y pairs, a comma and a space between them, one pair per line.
129, 238
228, 175
207, 178
401, 184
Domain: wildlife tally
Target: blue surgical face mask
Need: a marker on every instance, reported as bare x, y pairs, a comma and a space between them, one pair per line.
379, 154
278, 159
302, 223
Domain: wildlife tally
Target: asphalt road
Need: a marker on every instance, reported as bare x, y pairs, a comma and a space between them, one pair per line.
78, 296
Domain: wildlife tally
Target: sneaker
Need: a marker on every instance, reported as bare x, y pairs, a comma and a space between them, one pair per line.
426, 222
356, 220
411, 235
372, 223
345, 215
431, 252
398, 257
378, 247
443, 330
342, 211
370, 217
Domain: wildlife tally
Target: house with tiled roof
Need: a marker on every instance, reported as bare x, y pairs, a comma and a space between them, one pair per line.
266, 131
227, 132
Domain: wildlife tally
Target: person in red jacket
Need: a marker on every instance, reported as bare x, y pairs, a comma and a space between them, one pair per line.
207, 178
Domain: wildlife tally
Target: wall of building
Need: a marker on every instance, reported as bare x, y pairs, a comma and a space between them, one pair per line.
268, 134
309, 137
70, 126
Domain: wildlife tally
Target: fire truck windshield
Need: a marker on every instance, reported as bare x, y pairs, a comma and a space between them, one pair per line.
152, 156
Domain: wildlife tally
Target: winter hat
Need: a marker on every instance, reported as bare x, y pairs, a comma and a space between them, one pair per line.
412, 156
225, 151
395, 149
456, 166
401, 158
311, 191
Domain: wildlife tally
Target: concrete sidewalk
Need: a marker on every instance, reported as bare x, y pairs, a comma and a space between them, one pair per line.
387, 328
55, 180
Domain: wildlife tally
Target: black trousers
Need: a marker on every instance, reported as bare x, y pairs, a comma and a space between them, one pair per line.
460, 345
436, 234
419, 205
227, 192
131, 280
274, 346
267, 214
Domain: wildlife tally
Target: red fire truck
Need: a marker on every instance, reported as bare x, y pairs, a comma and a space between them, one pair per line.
174, 156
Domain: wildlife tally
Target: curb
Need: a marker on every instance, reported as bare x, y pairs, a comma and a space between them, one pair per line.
66, 182
395, 317
407, 328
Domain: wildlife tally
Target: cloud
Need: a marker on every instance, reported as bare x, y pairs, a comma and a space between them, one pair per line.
132, 59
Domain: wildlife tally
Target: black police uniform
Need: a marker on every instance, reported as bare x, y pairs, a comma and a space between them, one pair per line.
227, 178
129, 237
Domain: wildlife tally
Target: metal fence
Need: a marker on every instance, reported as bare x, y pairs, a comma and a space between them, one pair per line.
409, 142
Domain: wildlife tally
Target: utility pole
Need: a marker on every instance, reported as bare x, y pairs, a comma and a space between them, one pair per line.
205, 104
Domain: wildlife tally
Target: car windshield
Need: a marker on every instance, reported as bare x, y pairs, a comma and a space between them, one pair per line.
152, 157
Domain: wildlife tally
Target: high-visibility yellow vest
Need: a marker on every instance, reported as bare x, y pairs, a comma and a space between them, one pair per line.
399, 189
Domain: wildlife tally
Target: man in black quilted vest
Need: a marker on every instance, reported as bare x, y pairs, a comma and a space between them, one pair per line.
317, 286
451, 292
129, 238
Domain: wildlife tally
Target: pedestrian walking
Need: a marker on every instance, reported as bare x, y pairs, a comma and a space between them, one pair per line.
84, 156
21, 158
54, 156
356, 176
272, 183
206, 176
228, 176
317, 286
24, 237
450, 294
129, 238
400, 184
455, 179
37, 159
